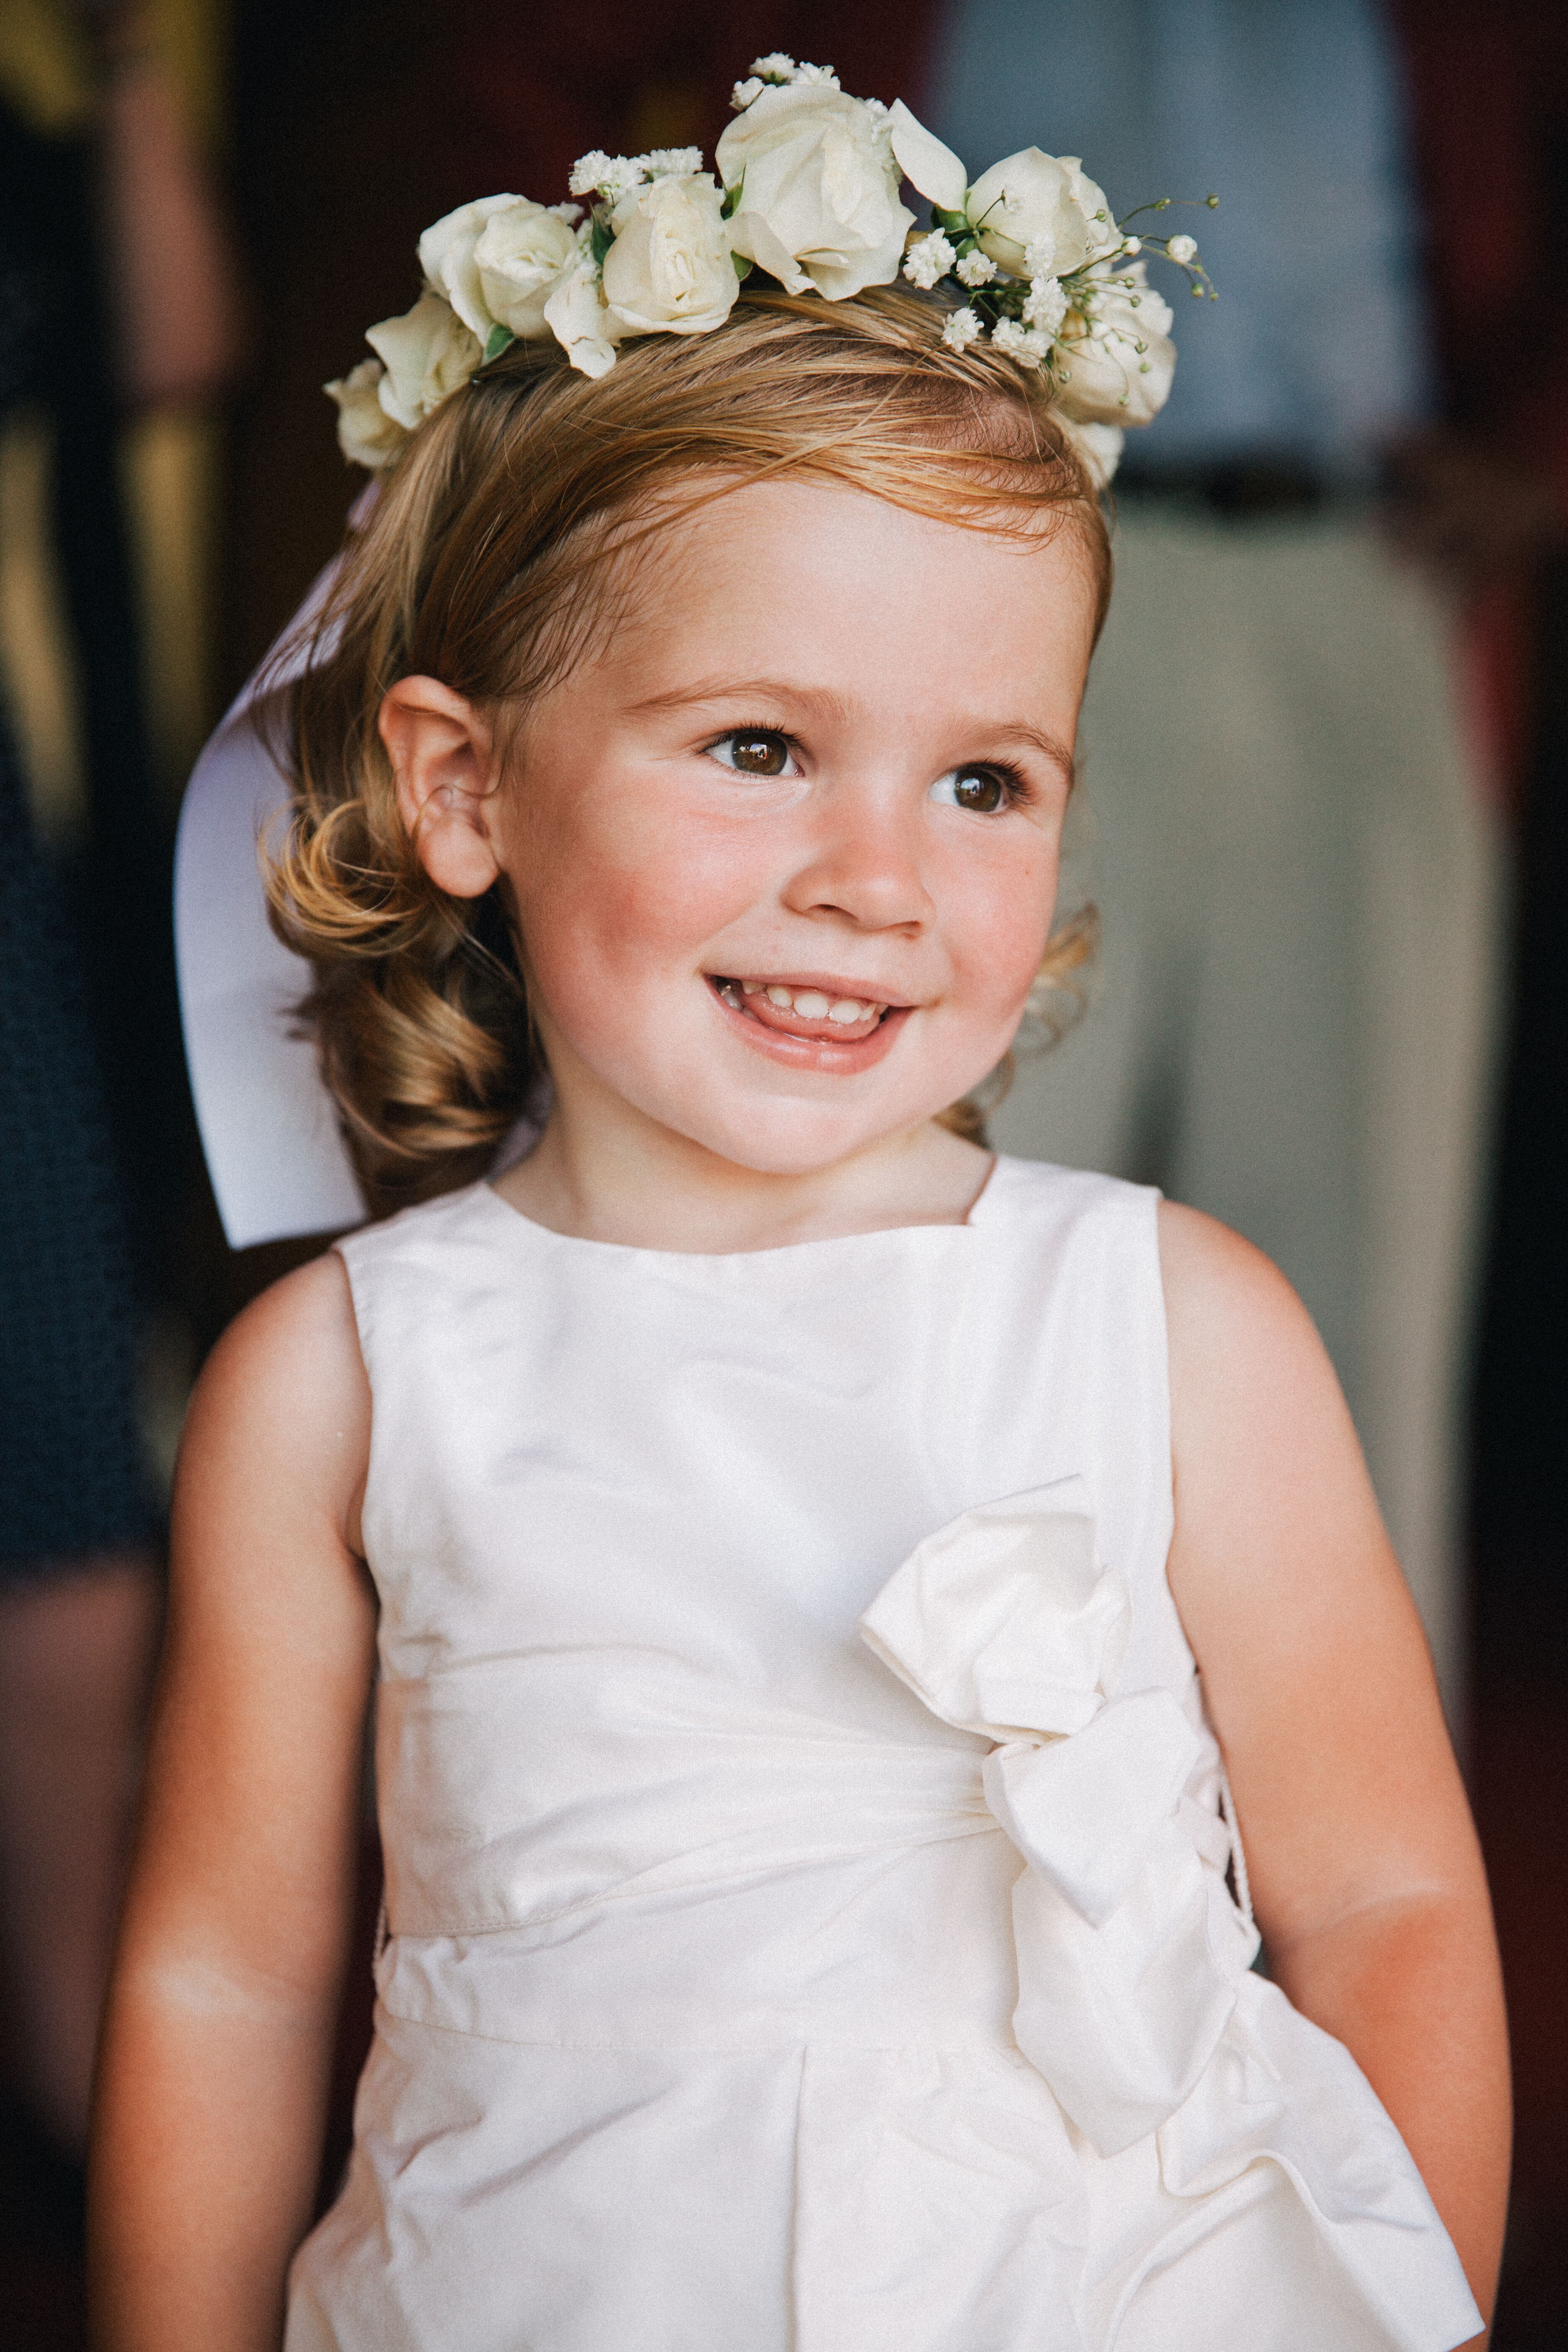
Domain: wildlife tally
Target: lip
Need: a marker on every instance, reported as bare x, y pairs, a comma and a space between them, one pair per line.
834, 1056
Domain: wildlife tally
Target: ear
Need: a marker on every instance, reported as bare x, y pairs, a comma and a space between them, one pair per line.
443, 758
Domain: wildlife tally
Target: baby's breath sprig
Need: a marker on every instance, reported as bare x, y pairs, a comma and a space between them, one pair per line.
1073, 301
1181, 249
777, 71
1024, 312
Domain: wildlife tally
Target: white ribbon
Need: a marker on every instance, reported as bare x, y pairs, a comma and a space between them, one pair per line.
269, 1127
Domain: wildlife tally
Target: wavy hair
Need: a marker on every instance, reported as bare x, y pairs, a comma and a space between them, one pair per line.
496, 549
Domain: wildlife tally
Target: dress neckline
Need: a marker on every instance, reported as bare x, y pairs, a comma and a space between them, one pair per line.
977, 1215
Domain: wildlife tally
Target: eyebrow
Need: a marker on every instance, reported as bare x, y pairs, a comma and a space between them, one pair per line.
1049, 747
834, 706
734, 689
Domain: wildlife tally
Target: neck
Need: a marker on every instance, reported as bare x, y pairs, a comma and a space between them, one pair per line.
603, 1171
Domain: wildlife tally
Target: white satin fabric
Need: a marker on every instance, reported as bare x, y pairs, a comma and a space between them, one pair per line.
792, 1951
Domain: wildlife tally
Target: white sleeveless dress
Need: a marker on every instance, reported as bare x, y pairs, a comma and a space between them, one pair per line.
806, 1881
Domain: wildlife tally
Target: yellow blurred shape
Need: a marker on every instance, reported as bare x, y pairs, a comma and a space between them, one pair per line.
46, 71
37, 665
170, 459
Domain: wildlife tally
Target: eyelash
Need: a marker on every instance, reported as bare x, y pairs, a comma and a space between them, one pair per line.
1019, 792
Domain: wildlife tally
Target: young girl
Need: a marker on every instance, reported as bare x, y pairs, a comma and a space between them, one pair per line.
822, 1585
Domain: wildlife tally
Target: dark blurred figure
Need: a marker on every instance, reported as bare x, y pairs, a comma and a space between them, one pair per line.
111, 293
1485, 500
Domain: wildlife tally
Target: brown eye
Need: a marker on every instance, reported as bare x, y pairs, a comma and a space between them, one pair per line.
755, 753
979, 790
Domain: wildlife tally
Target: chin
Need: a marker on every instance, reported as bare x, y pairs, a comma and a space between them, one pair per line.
783, 1137
793, 1124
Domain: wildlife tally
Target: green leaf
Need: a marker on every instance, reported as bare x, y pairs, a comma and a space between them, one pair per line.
742, 266
499, 339
731, 203
604, 237
953, 223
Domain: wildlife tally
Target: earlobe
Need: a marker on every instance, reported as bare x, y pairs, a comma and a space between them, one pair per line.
442, 758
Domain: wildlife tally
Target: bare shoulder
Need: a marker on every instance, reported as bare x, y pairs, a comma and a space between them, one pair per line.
284, 1404
1273, 1501
301, 1329
1247, 1362
1218, 1286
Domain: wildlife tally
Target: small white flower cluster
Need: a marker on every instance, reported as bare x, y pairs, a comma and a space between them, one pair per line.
615, 176
776, 71
806, 187
1025, 344
1044, 306
928, 259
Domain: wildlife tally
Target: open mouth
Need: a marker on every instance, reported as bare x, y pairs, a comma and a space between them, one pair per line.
811, 1012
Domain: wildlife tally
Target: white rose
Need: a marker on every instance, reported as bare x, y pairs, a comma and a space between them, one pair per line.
926, 163
429, 353
668, 271
522, 251
1045, 201
576, 316
1098, 445
367, 434
1119, 359
819, 191
446, 257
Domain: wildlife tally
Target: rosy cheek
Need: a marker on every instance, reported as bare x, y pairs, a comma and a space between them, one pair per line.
640, 887
999, 919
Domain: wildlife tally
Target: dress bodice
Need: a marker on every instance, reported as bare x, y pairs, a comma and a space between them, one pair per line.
624, 1509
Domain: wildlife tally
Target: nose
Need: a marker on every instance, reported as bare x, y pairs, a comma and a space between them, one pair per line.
864, 867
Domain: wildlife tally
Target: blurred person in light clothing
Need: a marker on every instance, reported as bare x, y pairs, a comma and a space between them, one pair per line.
1291, 848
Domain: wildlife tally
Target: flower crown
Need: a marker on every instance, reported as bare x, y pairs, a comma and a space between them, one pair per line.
807, 190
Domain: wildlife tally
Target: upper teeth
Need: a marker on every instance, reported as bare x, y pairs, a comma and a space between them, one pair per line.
811, 1004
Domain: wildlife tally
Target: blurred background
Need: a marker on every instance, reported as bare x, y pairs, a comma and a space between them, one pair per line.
1325, 812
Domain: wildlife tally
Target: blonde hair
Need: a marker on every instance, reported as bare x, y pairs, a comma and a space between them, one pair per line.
497, 546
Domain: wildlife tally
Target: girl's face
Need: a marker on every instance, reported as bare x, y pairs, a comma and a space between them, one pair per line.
785, 851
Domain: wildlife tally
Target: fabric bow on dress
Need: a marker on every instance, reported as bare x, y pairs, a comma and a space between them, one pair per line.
1129, 1948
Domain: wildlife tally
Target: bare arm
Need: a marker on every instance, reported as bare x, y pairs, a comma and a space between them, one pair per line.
1367, 1876
218, 2034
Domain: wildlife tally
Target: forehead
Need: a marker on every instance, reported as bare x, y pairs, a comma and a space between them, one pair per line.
843, 583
